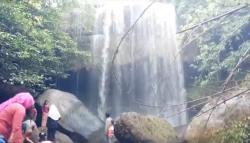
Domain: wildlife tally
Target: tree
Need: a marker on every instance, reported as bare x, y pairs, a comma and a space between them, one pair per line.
222, 42
33, 48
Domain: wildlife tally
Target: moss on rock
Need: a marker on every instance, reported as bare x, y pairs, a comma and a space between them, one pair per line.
136, 128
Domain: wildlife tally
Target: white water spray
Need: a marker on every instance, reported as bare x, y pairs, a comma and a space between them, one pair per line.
148, 72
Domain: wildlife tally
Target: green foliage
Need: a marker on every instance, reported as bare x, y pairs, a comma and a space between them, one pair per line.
33, 48
239, 132
78, 16
216, 40
79, 21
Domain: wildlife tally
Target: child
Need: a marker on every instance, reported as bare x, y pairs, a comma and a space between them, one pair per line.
29, 127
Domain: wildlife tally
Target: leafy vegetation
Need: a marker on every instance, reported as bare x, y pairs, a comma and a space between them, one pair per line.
33, 47
236, 133
221, 43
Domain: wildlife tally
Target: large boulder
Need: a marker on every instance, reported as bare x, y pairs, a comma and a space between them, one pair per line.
136, 128
61, 138
226, 114
77, 121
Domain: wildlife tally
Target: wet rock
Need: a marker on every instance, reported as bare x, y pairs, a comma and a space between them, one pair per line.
224, 115
136, 128
77, 121
62, 138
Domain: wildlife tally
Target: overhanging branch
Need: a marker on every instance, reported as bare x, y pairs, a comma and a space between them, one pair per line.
241, 60
144, 11
214, 18
130, 29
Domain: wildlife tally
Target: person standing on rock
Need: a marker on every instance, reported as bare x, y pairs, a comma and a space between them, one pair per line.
110, 133
45, 111
52, 124
107, 124
12, 113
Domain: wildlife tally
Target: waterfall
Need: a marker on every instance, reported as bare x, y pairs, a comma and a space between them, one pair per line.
105, 57
147, 75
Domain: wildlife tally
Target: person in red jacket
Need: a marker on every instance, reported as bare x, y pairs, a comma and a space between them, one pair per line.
12, 113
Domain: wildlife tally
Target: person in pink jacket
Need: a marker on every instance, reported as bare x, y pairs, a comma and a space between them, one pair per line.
45, 110
12, 113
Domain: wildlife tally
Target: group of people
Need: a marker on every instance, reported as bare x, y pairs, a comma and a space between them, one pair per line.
18, 116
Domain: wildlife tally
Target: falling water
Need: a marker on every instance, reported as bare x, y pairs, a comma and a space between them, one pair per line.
147, 75
102, 93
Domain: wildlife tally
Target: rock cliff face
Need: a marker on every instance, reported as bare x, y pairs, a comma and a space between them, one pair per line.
80, 124
224, 115
136, 128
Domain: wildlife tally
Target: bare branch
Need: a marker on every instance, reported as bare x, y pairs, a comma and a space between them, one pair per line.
222, 102
214, 18
130, 29
241, 60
